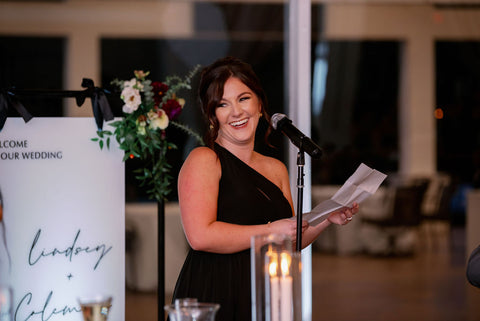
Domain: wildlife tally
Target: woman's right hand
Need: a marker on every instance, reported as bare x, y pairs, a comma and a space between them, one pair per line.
288, 227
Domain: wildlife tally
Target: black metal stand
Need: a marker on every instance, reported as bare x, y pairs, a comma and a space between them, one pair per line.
161, 260
300, 185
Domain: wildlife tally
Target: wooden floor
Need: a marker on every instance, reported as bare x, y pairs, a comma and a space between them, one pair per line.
429, 286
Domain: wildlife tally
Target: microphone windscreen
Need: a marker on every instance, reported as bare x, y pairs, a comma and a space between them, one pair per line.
276, 118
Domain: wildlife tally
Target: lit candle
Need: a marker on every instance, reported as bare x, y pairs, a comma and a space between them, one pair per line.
286, 288
274, 290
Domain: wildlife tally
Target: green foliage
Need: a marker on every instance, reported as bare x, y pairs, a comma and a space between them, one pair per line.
138, 138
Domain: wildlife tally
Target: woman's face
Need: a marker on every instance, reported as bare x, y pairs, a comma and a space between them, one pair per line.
237, 114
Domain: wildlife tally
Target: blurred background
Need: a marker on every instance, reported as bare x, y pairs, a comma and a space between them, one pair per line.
394, 84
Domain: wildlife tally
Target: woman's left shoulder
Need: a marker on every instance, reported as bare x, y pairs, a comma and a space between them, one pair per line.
273, 161
272, 164
276, 171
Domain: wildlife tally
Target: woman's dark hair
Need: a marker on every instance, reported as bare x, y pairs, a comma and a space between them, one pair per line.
210, 90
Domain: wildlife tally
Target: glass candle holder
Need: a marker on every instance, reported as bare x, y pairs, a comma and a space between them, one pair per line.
6, 303
191, 310
95, 308
276, 279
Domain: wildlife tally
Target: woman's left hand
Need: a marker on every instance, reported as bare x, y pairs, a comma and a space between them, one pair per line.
344, 215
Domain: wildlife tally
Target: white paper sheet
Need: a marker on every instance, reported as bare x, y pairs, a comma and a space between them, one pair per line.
363, 183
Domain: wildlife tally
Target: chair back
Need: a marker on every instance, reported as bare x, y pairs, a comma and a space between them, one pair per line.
407, 207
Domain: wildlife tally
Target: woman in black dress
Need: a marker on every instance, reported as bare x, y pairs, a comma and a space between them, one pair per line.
229, 193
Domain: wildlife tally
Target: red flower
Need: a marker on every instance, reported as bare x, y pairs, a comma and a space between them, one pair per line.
159, 90
172, 108
142, 118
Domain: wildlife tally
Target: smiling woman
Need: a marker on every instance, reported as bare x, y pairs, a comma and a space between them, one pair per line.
214, 92
237, 114
228, 193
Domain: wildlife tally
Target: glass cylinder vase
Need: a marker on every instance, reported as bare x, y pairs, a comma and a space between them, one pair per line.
276, 279
192, 310
96, 307
6, 303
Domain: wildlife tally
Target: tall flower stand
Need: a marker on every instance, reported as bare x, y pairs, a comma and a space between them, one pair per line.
161, 260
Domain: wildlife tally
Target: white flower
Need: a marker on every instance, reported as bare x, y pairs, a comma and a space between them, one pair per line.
161, 121
133, 83
181, 101
141, 123
152, 115
132, 99
141, 130
129, 83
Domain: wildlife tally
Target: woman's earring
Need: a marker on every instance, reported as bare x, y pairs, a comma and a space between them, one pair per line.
211, 126
261, 114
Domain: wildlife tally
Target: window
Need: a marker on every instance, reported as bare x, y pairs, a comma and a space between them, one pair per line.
354, 107
33, 63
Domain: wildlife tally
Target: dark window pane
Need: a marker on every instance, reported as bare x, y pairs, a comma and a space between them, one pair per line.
33, 63
458, 96
354, 107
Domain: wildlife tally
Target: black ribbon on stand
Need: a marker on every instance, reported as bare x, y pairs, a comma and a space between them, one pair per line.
101, 107
7, 100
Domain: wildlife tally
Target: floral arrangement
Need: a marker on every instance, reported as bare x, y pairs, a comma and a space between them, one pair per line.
149, 108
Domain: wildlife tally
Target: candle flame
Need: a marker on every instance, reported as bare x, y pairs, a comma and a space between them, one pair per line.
272, 268
285, 261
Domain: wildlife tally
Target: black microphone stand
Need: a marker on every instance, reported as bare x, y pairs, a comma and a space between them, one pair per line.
300, 185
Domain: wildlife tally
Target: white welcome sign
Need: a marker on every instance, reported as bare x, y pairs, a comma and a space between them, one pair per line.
62, 235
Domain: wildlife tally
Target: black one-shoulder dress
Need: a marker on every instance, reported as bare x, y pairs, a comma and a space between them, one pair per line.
247, 198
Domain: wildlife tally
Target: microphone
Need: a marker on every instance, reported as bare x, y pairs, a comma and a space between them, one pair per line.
282, 123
